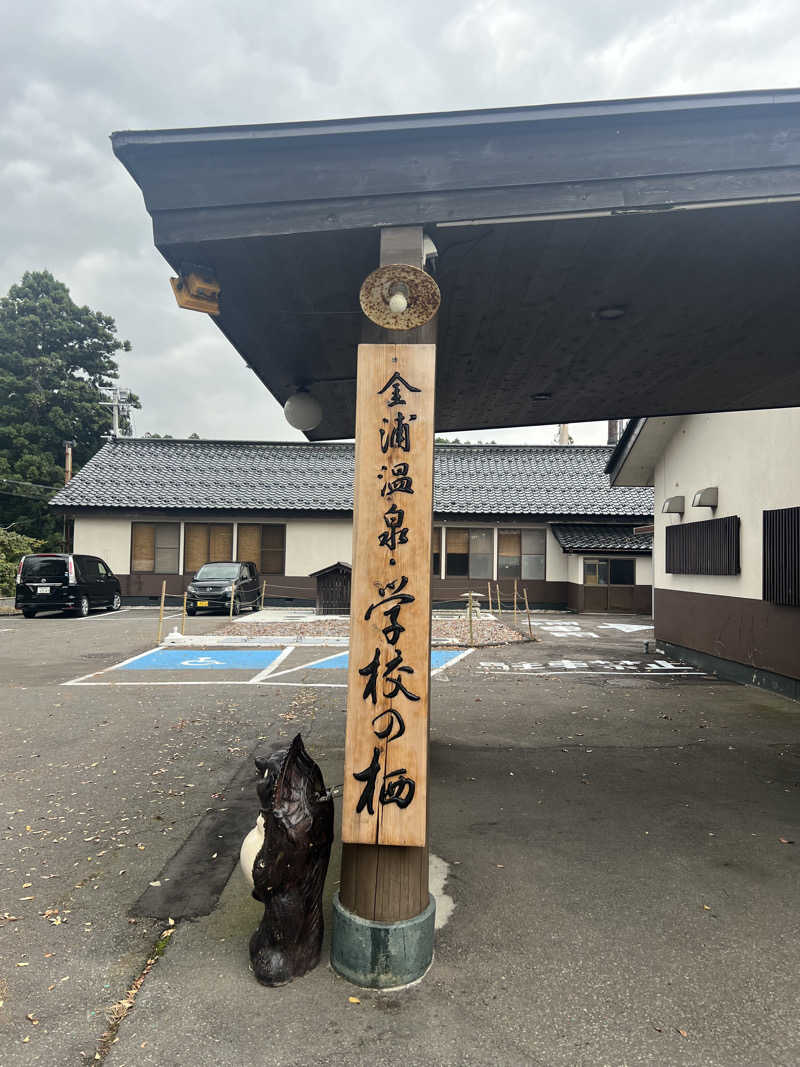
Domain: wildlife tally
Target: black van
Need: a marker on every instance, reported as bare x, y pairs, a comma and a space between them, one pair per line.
54, 581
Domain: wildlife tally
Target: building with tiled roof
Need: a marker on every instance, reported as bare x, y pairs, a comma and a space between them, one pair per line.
157, 508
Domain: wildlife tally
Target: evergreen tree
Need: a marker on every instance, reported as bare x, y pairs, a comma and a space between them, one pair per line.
56, 359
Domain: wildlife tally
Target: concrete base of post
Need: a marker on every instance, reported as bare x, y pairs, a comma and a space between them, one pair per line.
377, 955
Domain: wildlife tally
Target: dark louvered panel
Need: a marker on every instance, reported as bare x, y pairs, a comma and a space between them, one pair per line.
782, 556
710, 547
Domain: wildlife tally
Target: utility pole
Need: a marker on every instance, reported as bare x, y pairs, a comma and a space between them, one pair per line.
118, 402
68, 461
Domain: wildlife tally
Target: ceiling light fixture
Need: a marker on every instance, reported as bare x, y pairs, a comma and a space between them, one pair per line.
303, 411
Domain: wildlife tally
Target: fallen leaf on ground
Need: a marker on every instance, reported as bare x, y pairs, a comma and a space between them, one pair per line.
353, 1000
683, 1033
783, 841
155, 883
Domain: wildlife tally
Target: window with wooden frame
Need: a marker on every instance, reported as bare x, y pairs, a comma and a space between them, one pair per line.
263, 544
781, 560
534, 554
509, 554
609, 571
155, 547
206, 543
708, 547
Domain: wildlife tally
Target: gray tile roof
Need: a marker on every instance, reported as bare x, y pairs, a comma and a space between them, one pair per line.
600, 537
267, 476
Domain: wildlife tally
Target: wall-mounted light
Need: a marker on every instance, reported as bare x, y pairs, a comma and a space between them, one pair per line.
303, 411
674, 505
706, 498
197, 289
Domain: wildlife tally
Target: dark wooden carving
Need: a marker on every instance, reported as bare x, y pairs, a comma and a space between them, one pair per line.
289, 870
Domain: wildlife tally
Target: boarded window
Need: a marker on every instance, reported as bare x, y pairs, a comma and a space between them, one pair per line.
709, 547
273, 549
154, 547
143, 555
249, 543
264, 545
206, 543
782, 556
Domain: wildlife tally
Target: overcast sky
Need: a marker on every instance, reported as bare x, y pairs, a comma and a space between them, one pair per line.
71, 72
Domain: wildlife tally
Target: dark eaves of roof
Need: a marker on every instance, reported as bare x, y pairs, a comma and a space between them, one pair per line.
623, 447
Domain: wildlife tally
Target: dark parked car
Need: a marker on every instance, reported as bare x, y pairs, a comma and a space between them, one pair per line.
56, 581
215, 583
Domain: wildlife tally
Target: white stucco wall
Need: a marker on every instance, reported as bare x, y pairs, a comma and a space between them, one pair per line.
312, 544
752, 456
557, 560
644, 570
106, 537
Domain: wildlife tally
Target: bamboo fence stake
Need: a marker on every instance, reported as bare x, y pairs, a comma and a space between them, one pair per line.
499, 603
528, 613
515, 601
263, 591
489, 591
230, 611
161, 612
471, 641
183, 616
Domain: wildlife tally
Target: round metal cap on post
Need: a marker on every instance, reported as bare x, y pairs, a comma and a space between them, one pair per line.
399, 297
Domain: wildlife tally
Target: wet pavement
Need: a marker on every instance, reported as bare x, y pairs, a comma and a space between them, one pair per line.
617, 835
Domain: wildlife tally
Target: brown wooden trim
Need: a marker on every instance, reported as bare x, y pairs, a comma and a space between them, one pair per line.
753, 632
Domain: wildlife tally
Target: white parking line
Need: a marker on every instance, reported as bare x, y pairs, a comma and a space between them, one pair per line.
615, 674
271, 667
213, 681
311, 663
113, 667
450, 662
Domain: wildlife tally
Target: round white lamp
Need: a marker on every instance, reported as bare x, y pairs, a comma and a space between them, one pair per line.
303, 411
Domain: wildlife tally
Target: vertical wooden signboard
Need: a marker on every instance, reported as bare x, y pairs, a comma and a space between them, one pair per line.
386, 752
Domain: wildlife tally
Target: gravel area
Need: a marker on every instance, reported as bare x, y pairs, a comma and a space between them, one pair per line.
453, 632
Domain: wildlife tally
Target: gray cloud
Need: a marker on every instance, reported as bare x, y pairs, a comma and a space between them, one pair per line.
70, 73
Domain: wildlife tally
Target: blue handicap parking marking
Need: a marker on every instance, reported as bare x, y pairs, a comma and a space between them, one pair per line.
181, 659
439, 658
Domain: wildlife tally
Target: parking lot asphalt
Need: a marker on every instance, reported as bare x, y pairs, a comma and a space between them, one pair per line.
617, 837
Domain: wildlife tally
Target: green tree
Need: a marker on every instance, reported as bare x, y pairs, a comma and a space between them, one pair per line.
56, 360
13, 546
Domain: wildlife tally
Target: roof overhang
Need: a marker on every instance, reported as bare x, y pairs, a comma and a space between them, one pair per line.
633, 461
683, 213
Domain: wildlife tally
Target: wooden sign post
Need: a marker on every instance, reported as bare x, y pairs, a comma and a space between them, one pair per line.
383, 914
384, 800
